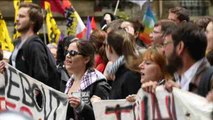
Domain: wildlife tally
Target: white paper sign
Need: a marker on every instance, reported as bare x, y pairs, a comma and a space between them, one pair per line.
18, 92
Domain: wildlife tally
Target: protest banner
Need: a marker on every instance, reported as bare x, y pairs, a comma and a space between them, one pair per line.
113, 110
18, 92
178, 105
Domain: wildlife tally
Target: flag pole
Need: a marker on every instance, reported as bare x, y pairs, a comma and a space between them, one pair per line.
116, 7
44, 26
161, 7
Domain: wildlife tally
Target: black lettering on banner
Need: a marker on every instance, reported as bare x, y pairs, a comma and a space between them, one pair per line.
117, 110
12, 84
2, 87
170, 107
59, 100
34, 89
46, 116
155, 107
26, 91
146, 108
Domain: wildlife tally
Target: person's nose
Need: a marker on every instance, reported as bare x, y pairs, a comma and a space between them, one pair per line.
163, 50
151, 35
141, 66
17, 18
68, 55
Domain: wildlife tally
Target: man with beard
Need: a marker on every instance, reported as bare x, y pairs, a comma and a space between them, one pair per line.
184, 49
185, 54
31, 55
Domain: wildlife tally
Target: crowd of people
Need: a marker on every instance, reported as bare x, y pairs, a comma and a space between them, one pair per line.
115, 63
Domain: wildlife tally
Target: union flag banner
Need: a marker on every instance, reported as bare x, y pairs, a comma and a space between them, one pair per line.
56, 5
16, 34
52, 28
5, 39
75, 25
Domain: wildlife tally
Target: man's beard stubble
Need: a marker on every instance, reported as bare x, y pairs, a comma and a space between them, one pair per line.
24, 28
174, 62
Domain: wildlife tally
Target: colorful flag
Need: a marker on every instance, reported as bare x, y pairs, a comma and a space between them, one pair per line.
56, 6
149, 21
52, 28
75, 25
66, 4
5, 39
88, 28
61, 37
93, 24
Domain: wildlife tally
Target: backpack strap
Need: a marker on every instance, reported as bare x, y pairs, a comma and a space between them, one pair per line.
205, 82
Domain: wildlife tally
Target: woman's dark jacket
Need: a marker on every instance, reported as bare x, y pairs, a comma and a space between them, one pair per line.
126, 82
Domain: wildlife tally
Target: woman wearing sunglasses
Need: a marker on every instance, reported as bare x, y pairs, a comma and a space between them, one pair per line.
86, 84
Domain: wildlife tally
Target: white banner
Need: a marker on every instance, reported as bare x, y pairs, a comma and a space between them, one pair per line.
18, 92
178, 105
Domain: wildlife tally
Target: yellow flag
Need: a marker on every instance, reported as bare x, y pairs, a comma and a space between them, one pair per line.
16, 34
4, 36
52, 29
28, 1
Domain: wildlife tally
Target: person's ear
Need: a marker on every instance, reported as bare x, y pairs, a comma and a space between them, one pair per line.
110, 49
136, 34
32, 22
184, 21
180, 48
87, 59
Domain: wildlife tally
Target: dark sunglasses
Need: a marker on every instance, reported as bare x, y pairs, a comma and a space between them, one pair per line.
73, 53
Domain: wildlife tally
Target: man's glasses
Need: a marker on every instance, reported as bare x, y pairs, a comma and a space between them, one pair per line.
167, 43
156, 32
73, 53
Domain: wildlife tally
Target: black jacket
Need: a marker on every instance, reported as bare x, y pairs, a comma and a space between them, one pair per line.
101, 89
126, 83
36, 60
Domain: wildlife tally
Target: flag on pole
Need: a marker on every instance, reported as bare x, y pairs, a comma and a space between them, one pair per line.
66, 4
56, 6
52, 28
16, 34
93, 24
149, 21
75, 25
28, 1
5, 39
88, 28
